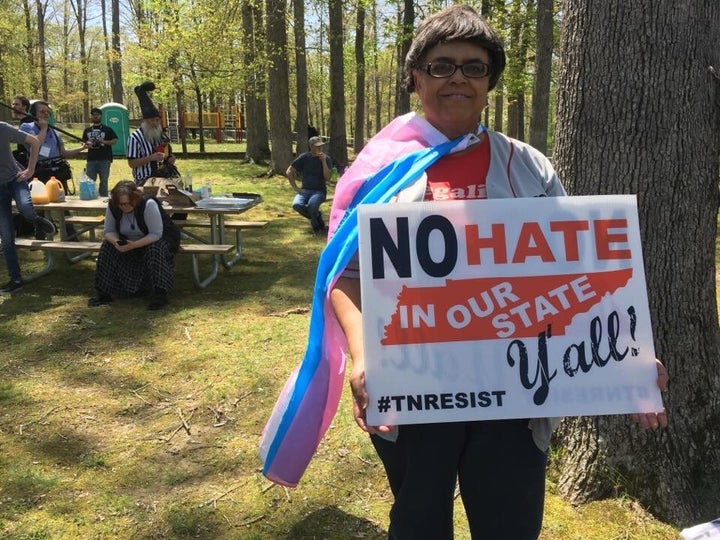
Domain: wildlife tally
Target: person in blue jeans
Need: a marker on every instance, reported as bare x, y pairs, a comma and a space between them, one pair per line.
314, 168
99, 140
13, 185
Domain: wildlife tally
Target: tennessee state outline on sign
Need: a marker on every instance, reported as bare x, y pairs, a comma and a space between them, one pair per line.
512, 308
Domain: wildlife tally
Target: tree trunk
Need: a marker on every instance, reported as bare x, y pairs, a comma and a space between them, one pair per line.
338, 136
258, 149
301, 84
30, 48
405, 35
117, 82
543, 69
359, 137
499, 107
279, 95
41, 46
644, 117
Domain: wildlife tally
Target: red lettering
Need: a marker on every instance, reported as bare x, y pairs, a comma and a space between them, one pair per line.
604, 239
570, 230
532, 243
496, 242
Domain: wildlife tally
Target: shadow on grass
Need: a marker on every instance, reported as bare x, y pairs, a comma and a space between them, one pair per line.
331, 523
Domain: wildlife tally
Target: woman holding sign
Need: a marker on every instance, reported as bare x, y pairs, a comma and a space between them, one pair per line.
453, 62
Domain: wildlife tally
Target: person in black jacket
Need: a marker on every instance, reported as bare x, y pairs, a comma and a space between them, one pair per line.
135, 257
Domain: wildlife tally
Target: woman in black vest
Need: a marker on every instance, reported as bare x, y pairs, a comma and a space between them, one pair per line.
135, 258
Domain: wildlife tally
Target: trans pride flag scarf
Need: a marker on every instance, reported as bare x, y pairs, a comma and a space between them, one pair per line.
309, 400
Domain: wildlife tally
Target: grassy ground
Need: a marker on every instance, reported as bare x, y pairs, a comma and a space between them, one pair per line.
120, 423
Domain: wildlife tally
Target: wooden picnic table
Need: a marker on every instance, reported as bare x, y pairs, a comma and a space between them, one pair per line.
74, 210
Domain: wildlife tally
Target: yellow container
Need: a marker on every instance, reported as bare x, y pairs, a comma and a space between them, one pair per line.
55, 190
38, 192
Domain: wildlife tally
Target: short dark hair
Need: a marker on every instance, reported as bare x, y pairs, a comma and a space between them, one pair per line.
455, 23
95, 110
24, 100
36, 104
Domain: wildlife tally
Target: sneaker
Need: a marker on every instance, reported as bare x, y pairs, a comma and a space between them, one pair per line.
44, 226
12, 286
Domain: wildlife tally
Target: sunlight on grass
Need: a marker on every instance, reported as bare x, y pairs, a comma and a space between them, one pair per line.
120, 423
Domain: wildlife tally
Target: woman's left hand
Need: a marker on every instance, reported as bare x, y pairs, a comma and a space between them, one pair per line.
655, 420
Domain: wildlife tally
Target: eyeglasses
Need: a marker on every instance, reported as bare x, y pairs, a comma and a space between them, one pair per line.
443, 70
124, 203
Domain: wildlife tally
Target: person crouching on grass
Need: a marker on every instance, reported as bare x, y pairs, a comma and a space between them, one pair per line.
134, 258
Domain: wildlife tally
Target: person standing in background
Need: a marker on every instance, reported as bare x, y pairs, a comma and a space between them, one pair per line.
99, 140
13, 185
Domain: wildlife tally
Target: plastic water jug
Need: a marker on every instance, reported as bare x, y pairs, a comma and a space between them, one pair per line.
55, 190
38, 192
87, 189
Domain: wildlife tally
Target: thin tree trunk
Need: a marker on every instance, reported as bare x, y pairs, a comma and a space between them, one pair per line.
117, 86
301, 120
359, 137
258, 148
543, 69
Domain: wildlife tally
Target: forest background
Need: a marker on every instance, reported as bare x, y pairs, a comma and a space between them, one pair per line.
334, 66
634, 85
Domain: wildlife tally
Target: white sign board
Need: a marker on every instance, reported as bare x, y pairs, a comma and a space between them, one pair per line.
512, 308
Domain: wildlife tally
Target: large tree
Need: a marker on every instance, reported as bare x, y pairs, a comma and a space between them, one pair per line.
338, 135
639, 112
279, 94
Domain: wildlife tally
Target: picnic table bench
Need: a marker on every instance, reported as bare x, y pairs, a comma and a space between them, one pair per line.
87, 248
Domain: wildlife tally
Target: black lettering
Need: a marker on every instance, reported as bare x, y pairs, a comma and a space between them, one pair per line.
446, 401
484, 399
431, 402
447, 264
499, 396
381, 241
461, 400
414, 403
398, 402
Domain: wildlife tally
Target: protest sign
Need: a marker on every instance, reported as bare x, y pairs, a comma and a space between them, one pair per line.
513, 308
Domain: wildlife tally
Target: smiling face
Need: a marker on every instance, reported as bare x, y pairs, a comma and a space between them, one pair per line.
42, 111
453, 104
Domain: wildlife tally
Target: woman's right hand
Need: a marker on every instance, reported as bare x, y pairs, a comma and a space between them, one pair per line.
360, 400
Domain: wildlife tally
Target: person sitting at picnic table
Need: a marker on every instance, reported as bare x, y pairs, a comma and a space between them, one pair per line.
134, 257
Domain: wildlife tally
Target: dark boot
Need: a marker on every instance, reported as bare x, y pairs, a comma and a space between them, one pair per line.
158, 300
100, 299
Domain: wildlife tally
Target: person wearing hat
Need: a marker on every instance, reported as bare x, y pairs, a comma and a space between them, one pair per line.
314, 168
148, 150
99, 140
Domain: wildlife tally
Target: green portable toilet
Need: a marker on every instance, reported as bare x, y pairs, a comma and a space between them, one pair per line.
116, 116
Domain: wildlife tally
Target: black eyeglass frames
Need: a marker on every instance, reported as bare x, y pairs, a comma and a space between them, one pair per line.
472, 70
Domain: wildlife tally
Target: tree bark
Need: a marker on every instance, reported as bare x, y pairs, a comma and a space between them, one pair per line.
338, 136
301, 83
407, 27
258, 148
117, 87
359, 136
543, 70
639, 112
279, 94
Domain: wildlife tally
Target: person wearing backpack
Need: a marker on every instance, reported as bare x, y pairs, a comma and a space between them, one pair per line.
137, 255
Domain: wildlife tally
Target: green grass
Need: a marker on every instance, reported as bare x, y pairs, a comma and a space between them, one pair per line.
92, 444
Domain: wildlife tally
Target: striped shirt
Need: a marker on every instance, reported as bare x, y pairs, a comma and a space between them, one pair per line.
139, 147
